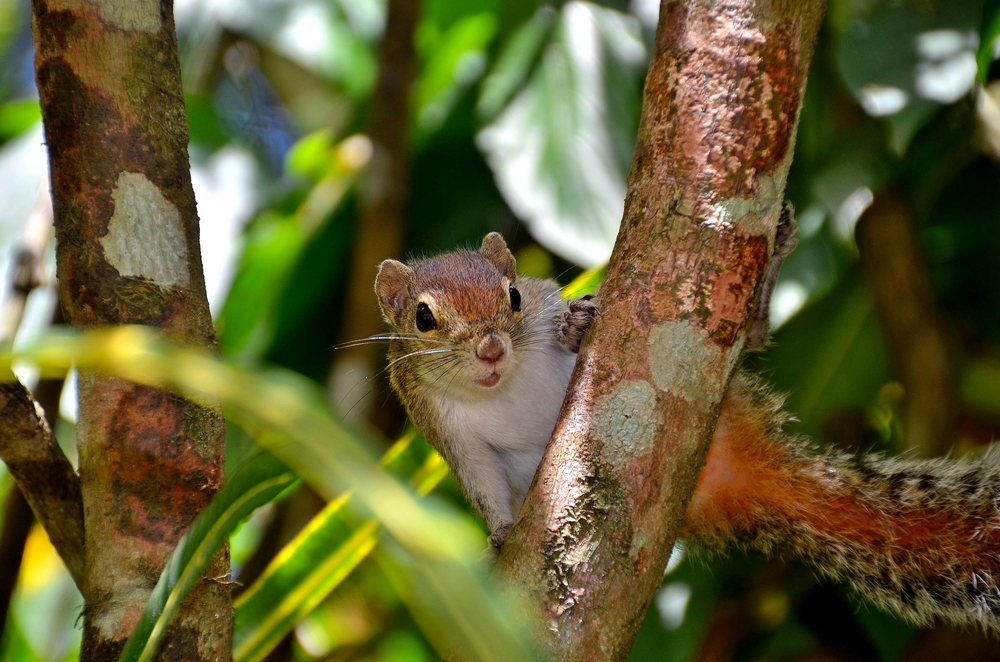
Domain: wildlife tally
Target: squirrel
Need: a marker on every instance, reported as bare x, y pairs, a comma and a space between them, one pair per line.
481, 359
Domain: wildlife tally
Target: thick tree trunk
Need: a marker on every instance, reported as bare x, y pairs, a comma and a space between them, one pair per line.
127, 253
715, 142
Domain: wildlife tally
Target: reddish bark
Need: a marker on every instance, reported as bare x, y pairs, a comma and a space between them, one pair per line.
127, 253
715, 141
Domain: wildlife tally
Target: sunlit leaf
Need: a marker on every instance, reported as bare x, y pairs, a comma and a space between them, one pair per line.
17, 116
312, 565
299, 578
257, 483
561, 148
439, 544
585, 283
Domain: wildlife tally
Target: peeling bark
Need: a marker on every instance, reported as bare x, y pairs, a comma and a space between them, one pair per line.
715, 142
925, 363
127, 253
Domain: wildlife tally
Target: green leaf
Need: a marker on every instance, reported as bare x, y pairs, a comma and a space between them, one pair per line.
988, 38
514, 63
560, 150
457, 60
287, 415
259, 481
585, 283
313, 564
299, 578
274, 244
903, 61
18, 116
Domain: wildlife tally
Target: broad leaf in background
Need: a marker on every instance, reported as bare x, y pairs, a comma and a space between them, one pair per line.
275, 241
258, 482
844, 369
285, 412
562, 147
453, 61
906, 86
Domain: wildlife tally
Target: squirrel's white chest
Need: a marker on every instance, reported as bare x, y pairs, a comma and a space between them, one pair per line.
517, 421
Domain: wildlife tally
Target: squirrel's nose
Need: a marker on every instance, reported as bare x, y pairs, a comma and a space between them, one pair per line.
490, 349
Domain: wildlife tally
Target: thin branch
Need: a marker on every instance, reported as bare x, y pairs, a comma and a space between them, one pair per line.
383, 198
45, 476
918, 340
17, 521
42, 473
720, 111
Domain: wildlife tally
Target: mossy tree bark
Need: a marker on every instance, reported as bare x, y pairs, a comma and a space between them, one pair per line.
719, 115
127, 253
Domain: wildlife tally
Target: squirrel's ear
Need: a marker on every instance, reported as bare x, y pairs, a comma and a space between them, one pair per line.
495, 250
393, 288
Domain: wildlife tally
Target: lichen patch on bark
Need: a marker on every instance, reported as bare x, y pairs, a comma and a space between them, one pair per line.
143, 15
627, 420
679, 358
751, 215
145, 236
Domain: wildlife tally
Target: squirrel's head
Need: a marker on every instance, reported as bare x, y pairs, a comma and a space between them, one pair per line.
457, 316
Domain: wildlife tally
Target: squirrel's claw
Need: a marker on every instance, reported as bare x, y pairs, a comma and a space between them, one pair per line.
572, 323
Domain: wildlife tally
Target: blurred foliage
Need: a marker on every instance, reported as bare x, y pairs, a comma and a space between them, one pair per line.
523, 119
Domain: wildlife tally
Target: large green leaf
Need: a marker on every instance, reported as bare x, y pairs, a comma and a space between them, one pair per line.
439, 544
902, 61
561, 148
258, 482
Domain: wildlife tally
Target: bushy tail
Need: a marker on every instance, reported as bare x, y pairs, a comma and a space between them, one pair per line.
920, 538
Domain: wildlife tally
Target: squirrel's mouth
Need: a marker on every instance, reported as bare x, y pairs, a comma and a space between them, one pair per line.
489, 381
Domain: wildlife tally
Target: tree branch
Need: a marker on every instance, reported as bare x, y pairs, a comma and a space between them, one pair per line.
384, 194
715, 142
44, 477
127, 252
892, 258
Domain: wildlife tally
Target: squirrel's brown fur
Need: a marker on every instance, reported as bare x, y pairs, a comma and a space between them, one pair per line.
918, 537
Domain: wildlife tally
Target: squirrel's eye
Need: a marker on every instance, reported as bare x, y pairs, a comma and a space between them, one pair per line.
515, 299
425, 318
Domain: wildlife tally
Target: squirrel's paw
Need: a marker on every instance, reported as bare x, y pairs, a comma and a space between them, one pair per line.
572, 323
489, 556
784, 243
499, 535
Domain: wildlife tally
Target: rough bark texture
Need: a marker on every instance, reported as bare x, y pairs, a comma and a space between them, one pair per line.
383, 196
893, 260
127, 253
715, 141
